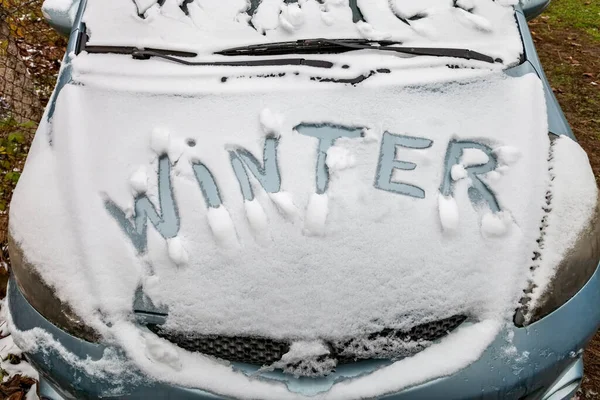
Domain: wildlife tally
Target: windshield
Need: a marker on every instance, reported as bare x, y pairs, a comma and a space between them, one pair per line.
205, 27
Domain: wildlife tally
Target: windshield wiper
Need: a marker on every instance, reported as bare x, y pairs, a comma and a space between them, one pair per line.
179, 57
335, 46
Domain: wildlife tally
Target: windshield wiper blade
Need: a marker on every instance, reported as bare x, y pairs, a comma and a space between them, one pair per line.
319, 46
310, 46
178, 57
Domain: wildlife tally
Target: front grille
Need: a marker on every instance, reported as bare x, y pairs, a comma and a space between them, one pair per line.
394, 344
249, 350
388, 343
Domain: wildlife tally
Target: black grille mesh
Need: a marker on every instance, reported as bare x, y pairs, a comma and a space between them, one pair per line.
392, 343
262, 351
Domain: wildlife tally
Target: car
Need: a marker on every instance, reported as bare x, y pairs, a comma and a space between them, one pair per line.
269, 199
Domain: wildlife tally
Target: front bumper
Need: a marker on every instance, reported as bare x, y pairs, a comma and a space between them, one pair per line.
549, 368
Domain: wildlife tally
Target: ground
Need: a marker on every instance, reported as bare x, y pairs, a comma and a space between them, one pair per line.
567, 36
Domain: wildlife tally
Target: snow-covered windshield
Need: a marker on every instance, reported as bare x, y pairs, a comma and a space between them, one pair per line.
207, 26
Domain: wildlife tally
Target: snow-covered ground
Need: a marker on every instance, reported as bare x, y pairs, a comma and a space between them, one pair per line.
11, 360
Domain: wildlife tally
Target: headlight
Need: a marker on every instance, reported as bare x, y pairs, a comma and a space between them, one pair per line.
43, 298
571, 275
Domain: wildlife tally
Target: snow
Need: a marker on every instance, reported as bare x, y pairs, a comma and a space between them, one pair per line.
507, 155
162, 360
139, 180
409, 8
160, 351
144, 5
496, 224
476, 21
9, 348
222, 226
573, 201
111, 366
305, 359
301, 350
271, 122
32, 394
466, 4
339, 158
458, 172
292, 263
285, 204
449, 215
177, 251
63, 6
256, 216
291, 17
367, 31
159, 141
266, 16
471, 157
488, 26
510, 2
316, 214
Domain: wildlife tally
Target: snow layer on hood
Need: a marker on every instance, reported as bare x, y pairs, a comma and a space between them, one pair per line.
204, 26
318, 257
572, 204
298, 261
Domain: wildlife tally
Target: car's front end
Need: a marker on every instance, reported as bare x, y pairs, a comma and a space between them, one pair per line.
331, 218
540, 361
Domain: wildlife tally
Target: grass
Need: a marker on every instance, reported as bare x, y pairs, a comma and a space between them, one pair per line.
568, 42
577, 14
13, 152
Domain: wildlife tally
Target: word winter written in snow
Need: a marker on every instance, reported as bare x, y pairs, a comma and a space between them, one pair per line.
243, 163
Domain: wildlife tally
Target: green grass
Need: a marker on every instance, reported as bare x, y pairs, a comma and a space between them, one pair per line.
580, 14
13, 152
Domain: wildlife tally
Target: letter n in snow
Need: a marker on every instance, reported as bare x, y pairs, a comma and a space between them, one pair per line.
266, 173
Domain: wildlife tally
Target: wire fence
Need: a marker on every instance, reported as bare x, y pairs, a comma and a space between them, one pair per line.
30, 55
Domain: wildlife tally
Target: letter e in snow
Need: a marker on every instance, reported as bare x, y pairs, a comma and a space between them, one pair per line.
388, 163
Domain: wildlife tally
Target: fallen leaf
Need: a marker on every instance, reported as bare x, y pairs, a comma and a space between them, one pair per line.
16, 387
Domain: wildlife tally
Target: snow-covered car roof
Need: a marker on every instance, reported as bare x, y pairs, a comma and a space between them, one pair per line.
206, 26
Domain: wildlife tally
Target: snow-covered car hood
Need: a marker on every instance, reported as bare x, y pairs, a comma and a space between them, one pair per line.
297, 209
284, 203
206, 26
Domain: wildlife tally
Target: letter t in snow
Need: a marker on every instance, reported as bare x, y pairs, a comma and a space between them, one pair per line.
327, 135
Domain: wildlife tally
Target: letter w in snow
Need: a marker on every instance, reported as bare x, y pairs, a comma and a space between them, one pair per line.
165, 220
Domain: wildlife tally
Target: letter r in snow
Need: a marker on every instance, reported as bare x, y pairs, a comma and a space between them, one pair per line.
478, 191
388, 163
